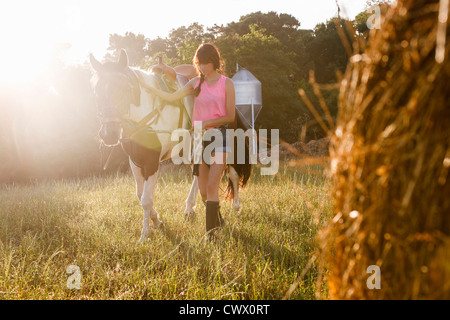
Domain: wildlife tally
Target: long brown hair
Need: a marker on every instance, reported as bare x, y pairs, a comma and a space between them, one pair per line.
207, 53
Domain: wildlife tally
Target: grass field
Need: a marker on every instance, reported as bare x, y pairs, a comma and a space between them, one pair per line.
95, 224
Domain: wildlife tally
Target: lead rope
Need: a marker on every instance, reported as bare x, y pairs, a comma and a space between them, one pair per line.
102, 152
109, 157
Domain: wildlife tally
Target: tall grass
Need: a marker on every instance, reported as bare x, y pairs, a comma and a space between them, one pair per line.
95, 224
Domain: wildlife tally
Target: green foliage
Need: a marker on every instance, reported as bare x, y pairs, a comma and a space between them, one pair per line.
327, 51
135, 45
185, 41
270, 61
159, 45
282, 26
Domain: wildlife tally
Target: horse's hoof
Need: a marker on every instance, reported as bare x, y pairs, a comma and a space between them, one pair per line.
144, 234
211, 237
189, 215
158, 225
143, 238
189, 211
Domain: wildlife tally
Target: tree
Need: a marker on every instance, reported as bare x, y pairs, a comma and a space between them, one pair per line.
270, 61
327, 51
184, 41
135, 45
283, 27
158, 45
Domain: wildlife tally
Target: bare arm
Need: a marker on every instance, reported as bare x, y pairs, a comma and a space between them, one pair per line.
170, 97
230, 105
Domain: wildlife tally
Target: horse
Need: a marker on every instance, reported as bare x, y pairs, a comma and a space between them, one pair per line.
142, 124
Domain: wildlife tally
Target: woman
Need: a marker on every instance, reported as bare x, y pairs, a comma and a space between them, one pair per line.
214, 107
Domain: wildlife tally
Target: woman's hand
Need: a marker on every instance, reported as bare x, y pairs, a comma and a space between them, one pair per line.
203, 127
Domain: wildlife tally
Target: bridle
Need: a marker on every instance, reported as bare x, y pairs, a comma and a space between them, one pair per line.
116, 114
124, 103
113, 114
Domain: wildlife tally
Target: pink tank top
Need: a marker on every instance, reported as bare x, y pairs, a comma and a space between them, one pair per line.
211, 102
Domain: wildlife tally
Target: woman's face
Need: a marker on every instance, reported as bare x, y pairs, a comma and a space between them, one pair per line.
206, 68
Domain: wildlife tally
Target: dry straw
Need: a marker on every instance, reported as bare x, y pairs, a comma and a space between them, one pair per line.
390, 159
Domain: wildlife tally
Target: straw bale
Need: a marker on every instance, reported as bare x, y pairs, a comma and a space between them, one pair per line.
390, 159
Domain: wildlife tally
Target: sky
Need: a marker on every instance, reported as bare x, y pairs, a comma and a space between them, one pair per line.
30, 28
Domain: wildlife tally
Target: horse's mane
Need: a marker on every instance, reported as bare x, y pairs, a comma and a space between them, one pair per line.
136, 88
130, 72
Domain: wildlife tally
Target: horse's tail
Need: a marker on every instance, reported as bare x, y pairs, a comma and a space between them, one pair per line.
243, 170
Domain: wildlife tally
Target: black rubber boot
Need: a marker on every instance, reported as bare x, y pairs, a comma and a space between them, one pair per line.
213, 218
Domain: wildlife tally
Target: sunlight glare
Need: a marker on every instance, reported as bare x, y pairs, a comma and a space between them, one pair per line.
32, 34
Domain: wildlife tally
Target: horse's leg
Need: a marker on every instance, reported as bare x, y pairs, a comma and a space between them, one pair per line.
138, 178
144, 191
147, 205
234, 177
190, 200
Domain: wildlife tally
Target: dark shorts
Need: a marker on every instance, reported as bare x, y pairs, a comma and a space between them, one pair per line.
224, 145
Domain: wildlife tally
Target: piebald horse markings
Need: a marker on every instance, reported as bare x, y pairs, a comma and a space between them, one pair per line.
141, 123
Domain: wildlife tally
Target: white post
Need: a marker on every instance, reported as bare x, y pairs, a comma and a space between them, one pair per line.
253, 128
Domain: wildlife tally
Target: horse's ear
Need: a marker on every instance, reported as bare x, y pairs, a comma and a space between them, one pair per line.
123, 60
95, 63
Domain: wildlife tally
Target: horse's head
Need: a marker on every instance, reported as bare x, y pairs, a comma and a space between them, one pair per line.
114, 93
